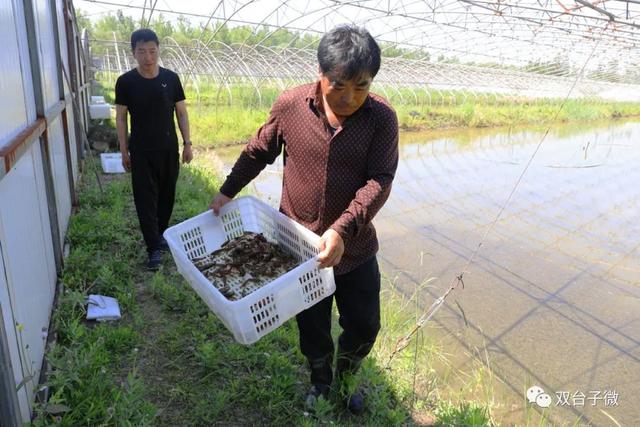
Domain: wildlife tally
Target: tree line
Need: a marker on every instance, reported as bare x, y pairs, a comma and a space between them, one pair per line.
184, 32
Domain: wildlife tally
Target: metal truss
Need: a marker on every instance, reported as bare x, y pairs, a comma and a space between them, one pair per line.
435, 50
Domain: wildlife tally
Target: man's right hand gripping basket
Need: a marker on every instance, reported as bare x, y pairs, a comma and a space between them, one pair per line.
235, 263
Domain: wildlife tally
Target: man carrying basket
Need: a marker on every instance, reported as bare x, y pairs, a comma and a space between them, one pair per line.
340, 148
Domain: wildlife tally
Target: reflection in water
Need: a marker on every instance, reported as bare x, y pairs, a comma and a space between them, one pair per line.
553, 295
577, 184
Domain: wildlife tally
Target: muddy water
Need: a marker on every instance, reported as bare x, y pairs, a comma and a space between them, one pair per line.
552, 297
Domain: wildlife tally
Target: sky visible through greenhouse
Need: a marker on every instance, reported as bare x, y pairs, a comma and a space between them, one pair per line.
511, 33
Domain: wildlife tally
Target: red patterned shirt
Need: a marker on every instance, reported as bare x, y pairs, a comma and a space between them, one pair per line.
332, 179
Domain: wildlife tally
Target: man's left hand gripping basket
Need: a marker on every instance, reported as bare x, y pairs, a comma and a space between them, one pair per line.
266, 308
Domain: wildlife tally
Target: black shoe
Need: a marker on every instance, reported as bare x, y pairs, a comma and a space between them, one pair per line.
316, 392
355, 403
155, 258
164, 246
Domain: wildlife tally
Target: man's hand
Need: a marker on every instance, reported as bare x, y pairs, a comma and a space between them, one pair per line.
218, 201
126, 160
331, 249
187, 154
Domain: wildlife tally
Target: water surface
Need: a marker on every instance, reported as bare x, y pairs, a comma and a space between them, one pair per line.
552, 297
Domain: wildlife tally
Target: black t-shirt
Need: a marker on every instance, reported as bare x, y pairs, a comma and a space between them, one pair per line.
151, 104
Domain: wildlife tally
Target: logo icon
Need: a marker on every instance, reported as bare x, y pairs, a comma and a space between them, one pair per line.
537, 395
164, 85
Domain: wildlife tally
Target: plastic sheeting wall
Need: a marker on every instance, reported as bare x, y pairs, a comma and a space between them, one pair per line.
12, 104
58, 157
12, 338
73, 142
28, 258
67, 90
47, 51
28, 262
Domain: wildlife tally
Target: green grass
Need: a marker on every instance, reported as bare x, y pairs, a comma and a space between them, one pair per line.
231, 113
170, 361
216, 126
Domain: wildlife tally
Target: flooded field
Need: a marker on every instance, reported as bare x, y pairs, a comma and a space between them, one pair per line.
552, 298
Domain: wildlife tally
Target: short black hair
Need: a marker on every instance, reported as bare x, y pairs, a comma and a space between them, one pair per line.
347, 51
143, 35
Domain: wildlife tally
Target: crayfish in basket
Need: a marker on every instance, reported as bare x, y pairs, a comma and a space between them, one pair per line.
244, 264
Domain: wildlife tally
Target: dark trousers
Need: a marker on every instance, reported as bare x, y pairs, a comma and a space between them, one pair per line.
358, 298
154, 175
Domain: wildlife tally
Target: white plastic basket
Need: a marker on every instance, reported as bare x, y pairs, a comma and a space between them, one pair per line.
112, 162
266, 308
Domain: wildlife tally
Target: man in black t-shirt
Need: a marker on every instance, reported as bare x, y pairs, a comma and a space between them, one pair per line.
151, 94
